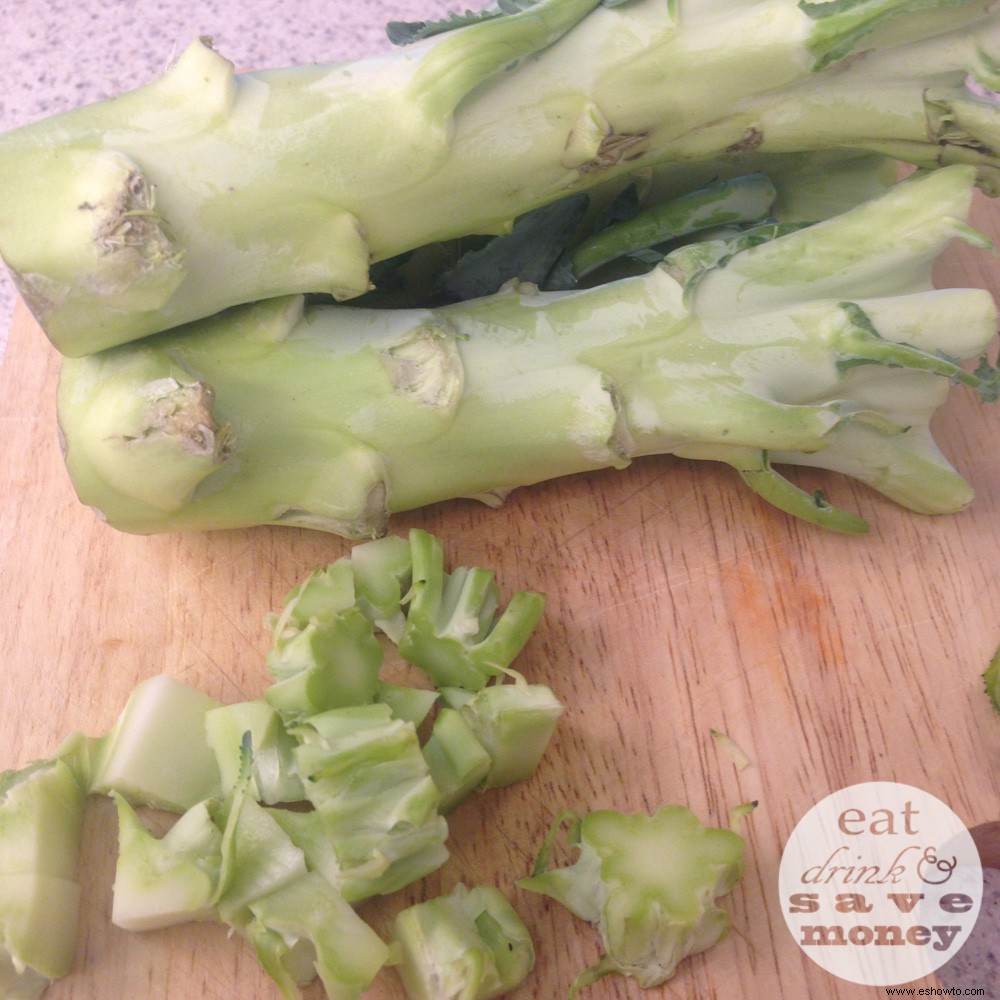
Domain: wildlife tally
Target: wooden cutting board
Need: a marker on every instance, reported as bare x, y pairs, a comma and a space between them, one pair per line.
678, 603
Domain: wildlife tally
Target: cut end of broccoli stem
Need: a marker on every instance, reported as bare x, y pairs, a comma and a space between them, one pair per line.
649, 883
166, 445
454, 631
124, 250
157, 753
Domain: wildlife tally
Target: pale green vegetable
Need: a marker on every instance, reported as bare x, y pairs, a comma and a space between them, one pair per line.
455, 631
325, 654
411, 704
458, 762
513, 722
825, 346
299, 923
273, 777
41, 820
304, 929
256, 855
468, 945
382, 571
728, 202
739, 756
161, 881
330, 662
206, 188
157, 753
648, 883
376, 825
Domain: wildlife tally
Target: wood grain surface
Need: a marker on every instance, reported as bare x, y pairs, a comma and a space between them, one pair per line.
678, 603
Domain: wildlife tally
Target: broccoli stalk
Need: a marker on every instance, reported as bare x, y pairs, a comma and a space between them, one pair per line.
206, 188
825, 346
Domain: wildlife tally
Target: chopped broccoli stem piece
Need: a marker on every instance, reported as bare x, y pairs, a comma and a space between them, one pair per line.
167, 880
331, 662
458, 762
304, 928
470, 944
273, 776
256, 855
363, 863
376, 824
114, 230
513, 723
157, 752
38, 930
453, 630
41, 820
824, 346
649, 883
382, 572
325, 594
410, 704
41, 816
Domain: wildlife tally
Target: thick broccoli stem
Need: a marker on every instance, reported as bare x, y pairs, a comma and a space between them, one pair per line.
207, 189
338, 417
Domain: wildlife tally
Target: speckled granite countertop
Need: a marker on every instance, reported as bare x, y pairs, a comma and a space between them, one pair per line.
59, 54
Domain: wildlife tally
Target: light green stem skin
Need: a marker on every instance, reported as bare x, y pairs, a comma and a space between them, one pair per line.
206, 189
819, 347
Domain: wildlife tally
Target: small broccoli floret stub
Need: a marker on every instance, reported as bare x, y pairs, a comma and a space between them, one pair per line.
648, 883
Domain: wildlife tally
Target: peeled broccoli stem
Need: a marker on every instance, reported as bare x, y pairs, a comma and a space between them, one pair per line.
206, 189
826, 346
